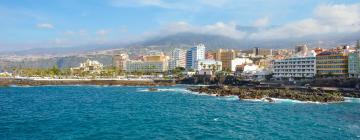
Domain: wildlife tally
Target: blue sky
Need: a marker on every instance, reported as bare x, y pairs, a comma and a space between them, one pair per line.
61, 23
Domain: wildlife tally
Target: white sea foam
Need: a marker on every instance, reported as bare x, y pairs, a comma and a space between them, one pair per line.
23, 86
352, 100
230, 98
278, 100
163, 90
195, 93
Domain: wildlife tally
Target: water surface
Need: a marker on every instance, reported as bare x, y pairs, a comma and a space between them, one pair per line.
95, 112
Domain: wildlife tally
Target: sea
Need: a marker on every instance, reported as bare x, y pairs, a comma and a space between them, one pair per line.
117, 112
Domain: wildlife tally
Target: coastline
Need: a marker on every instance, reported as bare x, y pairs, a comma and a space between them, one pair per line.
269, 94
101, 82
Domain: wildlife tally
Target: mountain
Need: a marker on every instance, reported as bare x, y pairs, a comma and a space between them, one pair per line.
190, 39
61, 62
212, 42
166, 44
64, 50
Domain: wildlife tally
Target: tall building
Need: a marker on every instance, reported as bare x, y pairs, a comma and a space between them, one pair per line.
262, 52
297, 67
225, 56
194, 54
188, 59
119, 61
354, 64
332, 63
177, 59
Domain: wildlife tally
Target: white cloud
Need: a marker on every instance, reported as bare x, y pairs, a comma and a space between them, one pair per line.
45, 26
327, 19
338, 14
262, 22
219, 28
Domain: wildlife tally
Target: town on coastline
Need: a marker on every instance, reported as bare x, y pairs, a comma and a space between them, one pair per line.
298, 68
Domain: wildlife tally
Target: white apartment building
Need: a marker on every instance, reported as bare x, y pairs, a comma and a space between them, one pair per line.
146, 66
194, 54
208, 64
297, 67
93, 67
177, 59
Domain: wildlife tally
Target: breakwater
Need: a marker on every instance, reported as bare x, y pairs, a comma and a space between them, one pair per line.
313, 95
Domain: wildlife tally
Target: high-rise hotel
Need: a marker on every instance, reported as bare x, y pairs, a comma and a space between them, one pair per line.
194, 54
177, 59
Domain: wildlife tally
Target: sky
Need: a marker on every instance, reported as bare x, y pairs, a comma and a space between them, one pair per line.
26, 24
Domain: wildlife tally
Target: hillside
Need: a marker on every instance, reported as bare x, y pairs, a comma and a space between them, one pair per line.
72, 56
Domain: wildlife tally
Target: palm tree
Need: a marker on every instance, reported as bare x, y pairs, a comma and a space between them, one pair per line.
213, 68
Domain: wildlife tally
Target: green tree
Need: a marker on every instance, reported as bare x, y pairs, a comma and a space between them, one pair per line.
54, 70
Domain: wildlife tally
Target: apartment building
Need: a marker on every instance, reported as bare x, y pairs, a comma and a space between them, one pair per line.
297, 67
177, 59
194, 54
332, 63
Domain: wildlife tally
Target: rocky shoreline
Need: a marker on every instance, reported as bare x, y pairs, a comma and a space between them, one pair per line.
28, 82
311, 95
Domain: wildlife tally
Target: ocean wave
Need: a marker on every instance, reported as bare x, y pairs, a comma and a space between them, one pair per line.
278, 100
185, 91
229, 98
163, 90
22, 86
352, 100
